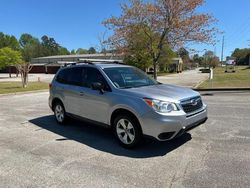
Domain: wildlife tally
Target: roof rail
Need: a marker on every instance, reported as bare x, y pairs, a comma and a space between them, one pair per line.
89, 61
93, 61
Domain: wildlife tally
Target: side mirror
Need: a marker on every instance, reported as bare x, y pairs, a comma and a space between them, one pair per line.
98, 86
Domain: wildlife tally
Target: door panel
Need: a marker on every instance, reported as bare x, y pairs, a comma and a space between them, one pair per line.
94, 105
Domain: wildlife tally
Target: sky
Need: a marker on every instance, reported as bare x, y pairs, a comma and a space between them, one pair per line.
78, 23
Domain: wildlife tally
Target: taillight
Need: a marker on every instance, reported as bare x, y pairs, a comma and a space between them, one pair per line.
50, 85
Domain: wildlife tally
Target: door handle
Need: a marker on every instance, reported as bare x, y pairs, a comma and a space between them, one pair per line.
81, 93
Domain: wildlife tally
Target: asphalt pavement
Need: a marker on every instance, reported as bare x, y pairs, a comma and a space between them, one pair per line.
37, 152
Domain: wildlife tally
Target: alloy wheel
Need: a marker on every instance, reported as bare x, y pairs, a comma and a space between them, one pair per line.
125, 131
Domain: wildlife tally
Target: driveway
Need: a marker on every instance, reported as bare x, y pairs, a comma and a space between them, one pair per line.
189, 78
37, 152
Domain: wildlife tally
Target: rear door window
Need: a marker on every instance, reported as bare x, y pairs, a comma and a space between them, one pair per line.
71, 76
76, 76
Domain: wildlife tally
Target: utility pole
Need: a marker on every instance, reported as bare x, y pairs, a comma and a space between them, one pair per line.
222, 50
249, 55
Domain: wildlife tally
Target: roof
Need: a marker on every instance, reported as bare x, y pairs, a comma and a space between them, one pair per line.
100, 65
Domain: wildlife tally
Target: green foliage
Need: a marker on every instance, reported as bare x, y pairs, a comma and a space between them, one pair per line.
8, 41
184, 54
166, 58
31, 47
82, 51
63, 51
198, 59
50, 46
138, 51
27, 39
92, 50
9, 57
242, 56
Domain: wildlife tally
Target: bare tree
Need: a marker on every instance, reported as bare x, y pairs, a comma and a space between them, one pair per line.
24, 70
170, 22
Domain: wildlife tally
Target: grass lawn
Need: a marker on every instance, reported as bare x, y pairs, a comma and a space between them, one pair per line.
13, 87
239, 79
163, 73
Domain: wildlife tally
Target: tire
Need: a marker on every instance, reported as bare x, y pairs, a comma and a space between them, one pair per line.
60, 113
127, 130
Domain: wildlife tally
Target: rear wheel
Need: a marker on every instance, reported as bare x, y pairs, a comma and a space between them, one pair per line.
59, 112
127, 131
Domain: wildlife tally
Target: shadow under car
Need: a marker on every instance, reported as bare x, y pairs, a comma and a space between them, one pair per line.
103, 139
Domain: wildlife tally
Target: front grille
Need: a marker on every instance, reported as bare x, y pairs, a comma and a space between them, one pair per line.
192, 105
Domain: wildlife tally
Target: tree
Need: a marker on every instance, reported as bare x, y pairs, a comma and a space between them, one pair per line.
9, 57
24, 70
241, 56
82, 51
166, 58
63, 51
174, 22
26, 39
92, 50
184, 54
210, 59
8, 41
72, 52
50, 46
198, 59
136, 52
30, 47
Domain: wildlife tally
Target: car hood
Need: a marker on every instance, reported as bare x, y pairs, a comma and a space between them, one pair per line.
165, 92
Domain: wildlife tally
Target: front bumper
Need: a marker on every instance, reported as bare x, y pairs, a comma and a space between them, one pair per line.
168, 126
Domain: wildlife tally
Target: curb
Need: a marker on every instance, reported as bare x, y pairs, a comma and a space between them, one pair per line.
222, 89
24, 92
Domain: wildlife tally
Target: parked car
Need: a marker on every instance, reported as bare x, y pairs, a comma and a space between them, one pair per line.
125, 99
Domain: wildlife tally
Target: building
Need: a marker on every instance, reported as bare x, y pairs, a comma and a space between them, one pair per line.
176, 65
51, 64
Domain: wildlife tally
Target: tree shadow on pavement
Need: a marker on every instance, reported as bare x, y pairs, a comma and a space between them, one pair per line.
103, 139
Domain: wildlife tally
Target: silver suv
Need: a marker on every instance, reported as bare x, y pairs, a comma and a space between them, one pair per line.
125, 99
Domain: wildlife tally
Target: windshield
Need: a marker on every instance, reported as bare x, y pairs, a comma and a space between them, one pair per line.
128, 77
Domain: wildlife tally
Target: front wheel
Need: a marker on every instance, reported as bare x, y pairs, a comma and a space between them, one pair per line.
127, 131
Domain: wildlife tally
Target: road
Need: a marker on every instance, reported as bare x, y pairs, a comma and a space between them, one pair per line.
189, 78
37, 152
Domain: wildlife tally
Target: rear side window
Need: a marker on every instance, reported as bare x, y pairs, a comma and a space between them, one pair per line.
71, 76
62, 76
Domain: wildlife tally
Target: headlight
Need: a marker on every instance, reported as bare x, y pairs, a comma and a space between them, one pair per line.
161, 106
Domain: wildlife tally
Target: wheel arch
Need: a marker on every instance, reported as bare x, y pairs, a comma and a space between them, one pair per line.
55, 100
123, 111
